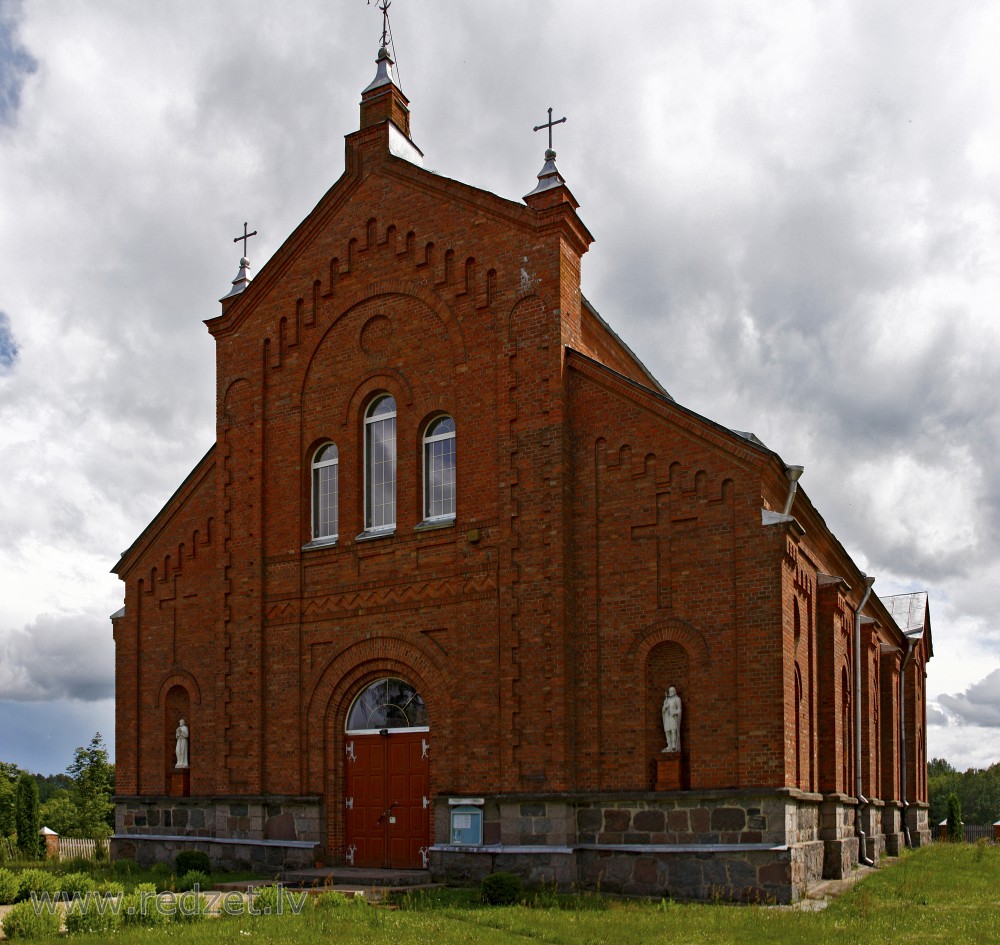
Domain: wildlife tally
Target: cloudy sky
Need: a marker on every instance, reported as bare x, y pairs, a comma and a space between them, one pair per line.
797, 213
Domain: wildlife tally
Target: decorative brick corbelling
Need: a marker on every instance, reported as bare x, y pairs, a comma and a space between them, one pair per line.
428, 296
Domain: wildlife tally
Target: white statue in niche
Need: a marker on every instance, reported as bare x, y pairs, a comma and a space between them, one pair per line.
181, 750
671, 713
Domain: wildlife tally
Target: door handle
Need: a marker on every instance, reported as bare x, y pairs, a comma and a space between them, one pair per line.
386, 813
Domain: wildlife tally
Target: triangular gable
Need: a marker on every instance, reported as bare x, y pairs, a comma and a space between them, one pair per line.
173, 506
320, 220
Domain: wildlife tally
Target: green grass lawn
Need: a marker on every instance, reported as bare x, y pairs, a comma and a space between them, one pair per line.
944, 893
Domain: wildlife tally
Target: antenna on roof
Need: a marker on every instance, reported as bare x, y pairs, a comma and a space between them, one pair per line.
387, 40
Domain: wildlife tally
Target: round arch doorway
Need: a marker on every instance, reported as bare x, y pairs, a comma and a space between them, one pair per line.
388, 777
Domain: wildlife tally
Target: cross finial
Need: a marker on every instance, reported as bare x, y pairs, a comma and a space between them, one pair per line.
384, 7
549, 124
244, 237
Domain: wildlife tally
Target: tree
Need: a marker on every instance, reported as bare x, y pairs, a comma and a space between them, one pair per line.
956, 832
27, 815
50, 784
93, 785
60, 814
978, 790
8, 798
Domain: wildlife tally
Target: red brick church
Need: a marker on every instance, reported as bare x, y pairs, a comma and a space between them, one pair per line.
421, 603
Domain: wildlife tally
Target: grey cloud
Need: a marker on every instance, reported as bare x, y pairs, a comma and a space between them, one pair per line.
979, 704
935, 716
8, 345
786, 228
16, 63
57, 657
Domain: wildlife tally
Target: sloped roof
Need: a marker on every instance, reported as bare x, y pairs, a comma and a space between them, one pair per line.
908, 610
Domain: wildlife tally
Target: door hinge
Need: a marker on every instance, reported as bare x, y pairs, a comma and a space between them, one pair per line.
425, 856
349, 749
349, 855
427, 802
349, 803
424, 747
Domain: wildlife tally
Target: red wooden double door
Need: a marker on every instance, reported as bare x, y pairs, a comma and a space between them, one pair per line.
388, 799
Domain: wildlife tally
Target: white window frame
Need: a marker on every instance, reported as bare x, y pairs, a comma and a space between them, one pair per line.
427, 441
315, 467
370, 420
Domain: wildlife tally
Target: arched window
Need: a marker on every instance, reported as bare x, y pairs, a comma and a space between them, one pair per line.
439, 469
380, 464
387, 704
324, 492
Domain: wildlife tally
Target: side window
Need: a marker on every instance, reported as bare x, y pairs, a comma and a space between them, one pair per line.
324, 492
439, 469
380, 464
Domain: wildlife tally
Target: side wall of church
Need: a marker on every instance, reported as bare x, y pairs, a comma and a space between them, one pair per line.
165, 650
676, 583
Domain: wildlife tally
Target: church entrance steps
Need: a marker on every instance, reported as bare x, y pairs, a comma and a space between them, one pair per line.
358, 877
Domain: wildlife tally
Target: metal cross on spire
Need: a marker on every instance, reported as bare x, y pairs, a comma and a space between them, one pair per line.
244, 237
384, 7
549, 124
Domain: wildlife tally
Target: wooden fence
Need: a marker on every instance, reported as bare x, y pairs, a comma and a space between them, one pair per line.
69, 848
974, 832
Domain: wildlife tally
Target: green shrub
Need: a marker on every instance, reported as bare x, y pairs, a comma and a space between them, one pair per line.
10, 886
109, 887
501, 889
124, 867
232, 904
547, 897
140, 907
79, 864
270, 900
333, 899
23, 921
77, 884
956, 831
192, 860
39, 882
91, 916
161, 870
190, 907
28, 825
194, 878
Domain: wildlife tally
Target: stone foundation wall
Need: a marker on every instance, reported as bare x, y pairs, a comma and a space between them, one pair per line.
892, 828
759, 876
871, 824
276, 831
918, 820
837, 830
720, 844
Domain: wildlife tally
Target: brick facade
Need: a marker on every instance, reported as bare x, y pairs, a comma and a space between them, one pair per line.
607, 543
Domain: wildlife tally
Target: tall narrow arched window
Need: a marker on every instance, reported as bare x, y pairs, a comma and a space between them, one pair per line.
380, 464
324, 492
439, 469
